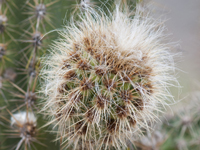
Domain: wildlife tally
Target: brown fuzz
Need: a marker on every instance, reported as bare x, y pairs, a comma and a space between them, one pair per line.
83, 65
108, 139
63, 88
110, 84
101, 102
128, 76
139, 104
28, 130
90, 115
131, 121
76, 47
74, 56
145, 73
91, 51
66, 65
86, 42
99, 58
122, 112
100, 70
80, 128
149, 89
74, 97
70, 74
126, 96
86, 84
69, 112
112, 126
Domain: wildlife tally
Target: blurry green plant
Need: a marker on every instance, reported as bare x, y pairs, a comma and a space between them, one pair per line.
178, 129
183, 125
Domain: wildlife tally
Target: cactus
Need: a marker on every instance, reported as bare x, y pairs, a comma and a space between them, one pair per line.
22, 128
105, 78
183, 126
151, 140
179, 129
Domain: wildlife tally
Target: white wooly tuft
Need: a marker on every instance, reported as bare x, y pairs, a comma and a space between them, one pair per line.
23, 118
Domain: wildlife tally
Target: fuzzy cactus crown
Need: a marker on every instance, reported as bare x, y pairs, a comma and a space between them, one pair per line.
105, 78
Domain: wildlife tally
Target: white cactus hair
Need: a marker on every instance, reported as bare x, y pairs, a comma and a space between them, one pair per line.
23, 117
107, 77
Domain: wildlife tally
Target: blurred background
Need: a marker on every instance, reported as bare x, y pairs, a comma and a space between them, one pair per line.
183, 22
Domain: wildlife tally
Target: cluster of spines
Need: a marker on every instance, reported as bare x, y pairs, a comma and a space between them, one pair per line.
100, 91
179, 128
151, 139
23, 121
7, 74
183, 124
5, 29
